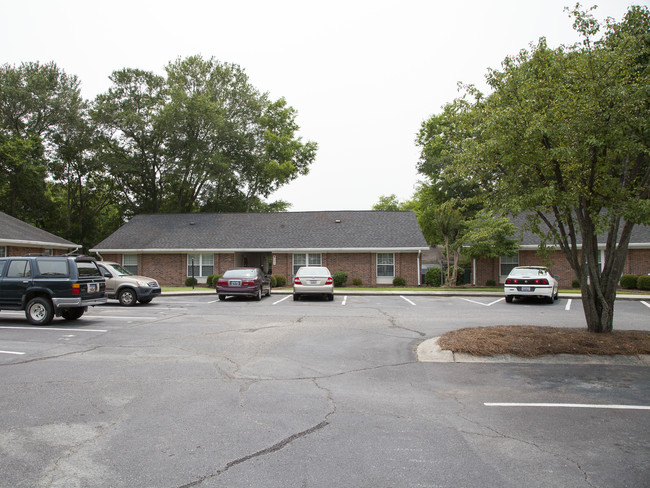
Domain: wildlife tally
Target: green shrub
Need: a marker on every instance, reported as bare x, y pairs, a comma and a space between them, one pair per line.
212, 280
357, 282
643, 283
575, 283
274, 281
280, 279
629, 281
491, 283
191, 281
340, 278
433, 278
460, 278
399, 281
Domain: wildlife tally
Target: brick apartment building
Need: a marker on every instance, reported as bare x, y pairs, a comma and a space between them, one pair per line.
18, 238
373, 246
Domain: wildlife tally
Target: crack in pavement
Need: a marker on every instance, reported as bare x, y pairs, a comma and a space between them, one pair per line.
56, 356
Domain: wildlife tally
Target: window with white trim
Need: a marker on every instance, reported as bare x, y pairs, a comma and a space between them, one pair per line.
130, 263
385, 265
306, 259
203, 265
3, 251
506, 263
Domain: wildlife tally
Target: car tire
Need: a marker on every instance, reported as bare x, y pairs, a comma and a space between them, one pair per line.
330, 297
127, 297
258, 296
268, 292
72, 313
39, 311
509, 298
144, 301
296, 297
222, 298
550, 300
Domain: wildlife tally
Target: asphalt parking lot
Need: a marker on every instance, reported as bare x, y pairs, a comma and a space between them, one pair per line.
190, 391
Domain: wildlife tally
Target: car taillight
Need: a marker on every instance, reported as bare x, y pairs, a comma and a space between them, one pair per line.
541, 282
329, 280
75, 288
297, 281
511, 281
248, 283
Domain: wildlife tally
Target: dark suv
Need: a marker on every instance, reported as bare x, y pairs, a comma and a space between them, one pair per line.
45, 286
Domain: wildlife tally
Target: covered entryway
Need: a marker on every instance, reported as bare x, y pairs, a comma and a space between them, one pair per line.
253, 260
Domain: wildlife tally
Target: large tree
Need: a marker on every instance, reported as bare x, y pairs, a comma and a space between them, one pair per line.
202, 138
564, 138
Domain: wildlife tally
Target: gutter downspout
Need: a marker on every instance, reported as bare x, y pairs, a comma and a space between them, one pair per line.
474, 271
419, 268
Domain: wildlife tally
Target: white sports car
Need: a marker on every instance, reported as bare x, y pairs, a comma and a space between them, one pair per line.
531, 281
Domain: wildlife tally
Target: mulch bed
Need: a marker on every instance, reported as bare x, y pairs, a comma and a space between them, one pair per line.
531, 341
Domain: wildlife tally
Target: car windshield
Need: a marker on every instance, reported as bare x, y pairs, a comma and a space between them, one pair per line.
313, 271
527, 271
239, 273
120, 270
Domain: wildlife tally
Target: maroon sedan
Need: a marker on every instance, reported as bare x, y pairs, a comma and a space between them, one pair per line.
249, 282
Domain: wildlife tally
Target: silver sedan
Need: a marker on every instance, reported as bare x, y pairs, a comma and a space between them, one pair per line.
314, 281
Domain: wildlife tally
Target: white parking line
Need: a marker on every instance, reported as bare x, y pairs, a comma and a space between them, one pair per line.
282, 300
484, 304
568, 304
646, 303
119, 317
569, 405
407, 300
345, 299
12, 352
31, 328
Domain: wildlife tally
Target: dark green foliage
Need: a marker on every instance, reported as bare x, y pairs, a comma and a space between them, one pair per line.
491, 283
340, 278
191, 281
629, 282
399, 281
643, 283
433, 277
280, 280
357, 282
575, 284
212, 280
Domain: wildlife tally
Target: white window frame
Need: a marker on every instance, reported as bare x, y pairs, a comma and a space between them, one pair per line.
512, 261
130, 263
383, 260
203, 265
3, 251
311, 259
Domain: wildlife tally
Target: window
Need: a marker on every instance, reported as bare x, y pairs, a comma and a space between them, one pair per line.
507, 263
130, 262
3, 251
47, 267
385, 265
19, 269
203, 265
306, 259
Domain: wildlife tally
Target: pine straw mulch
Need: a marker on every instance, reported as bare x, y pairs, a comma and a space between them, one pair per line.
531, 341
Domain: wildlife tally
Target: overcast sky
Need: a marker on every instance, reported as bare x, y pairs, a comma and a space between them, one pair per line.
363, 75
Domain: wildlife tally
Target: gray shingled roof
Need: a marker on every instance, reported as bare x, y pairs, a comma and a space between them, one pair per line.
17, 233
330, 230
640, 235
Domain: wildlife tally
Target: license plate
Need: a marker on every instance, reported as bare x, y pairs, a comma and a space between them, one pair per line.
92, 287
234, 283
312, 282
526, 288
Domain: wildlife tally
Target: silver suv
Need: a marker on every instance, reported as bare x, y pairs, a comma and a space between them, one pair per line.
126, 287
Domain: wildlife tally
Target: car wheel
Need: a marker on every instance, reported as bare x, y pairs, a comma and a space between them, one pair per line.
72, 313
268, 292
549, 300
127, 297
39, 311
295, 297
331, 297
557, 294
258, 297
222, 298
509, 298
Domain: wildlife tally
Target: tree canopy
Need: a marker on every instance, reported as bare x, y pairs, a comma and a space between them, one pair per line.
199, 138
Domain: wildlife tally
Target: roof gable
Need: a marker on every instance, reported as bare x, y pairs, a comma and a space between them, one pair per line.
329, 230
16, 232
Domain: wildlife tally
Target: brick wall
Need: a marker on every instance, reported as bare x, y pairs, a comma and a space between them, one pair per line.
21, 251
637, 262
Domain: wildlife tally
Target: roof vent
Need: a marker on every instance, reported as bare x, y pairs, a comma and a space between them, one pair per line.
337, 221
192, 223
